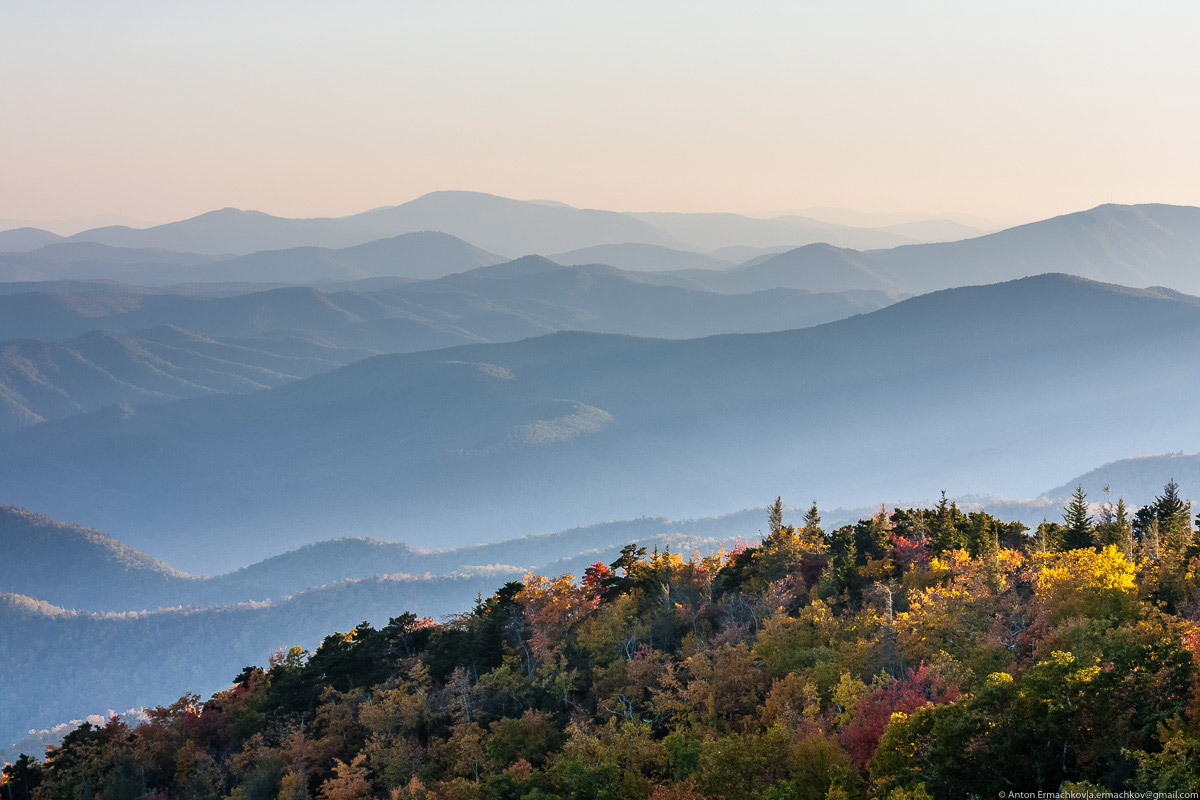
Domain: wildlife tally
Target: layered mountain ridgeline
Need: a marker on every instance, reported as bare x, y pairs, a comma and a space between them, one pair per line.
519, 298
1141, 245
718, 230
60, 664
415, 255
51, 380
1136, 245
246, 342
65, 260
642, 258
924, 653
25, 238
969, 389
498, 224
79, 568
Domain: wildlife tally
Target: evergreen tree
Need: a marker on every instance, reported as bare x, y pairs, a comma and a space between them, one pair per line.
1174, 519
1080, 531
812, 519
1013, 535
945, 535
775, 517
873, 536
842, 575
1123, 529
982, 528
1169, 506
989, 554
812, 536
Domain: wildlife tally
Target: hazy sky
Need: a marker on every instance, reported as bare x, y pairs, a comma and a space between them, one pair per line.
1008, 110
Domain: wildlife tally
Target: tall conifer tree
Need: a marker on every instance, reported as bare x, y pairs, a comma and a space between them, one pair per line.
1080, 531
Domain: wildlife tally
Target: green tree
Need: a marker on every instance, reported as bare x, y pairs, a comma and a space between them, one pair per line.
20, 779
775, 517
1123, 529
945, 534
1079, 532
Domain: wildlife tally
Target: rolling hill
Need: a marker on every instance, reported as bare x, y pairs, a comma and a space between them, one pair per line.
1139, 479
1145, 245
60, 664
501, 225
816, 267
1140, 245
20, 240
1131, 245
1004, 388
129, 347
714, 231
51, 380
82, 569
417, 255
497, 224
82, 260
641, 258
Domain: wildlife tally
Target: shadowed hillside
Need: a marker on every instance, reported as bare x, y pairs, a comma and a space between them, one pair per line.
106, 661
964, 389
1139, 480
168, 346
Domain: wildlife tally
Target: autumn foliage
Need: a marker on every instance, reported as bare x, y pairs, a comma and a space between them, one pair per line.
921, 653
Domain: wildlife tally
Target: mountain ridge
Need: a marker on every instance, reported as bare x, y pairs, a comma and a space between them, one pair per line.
404, 438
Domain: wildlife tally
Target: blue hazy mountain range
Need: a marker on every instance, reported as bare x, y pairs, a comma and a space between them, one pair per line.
1138, 245
64, 353
975, 389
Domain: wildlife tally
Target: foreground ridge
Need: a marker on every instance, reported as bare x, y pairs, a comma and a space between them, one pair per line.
919, 653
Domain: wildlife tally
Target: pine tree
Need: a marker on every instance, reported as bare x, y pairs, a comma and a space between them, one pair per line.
983, 527
812, 519
1123, 529
989, 554
775, 517
1169, 506
1174, 517
812, 536
841, 574
1080, 531
944, 534
874, 536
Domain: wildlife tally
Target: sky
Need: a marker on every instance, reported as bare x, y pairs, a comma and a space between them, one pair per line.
1007, 111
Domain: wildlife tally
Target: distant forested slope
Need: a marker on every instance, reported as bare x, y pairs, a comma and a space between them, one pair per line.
920, 653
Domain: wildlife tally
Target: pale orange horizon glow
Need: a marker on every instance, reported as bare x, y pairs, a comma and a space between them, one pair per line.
1006, 111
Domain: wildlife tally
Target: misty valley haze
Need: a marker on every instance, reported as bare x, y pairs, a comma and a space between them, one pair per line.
233, 434
645, 400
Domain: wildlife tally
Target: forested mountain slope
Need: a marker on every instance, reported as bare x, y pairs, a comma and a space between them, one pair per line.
920, 653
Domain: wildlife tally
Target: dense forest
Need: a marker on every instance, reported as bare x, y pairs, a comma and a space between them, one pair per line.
922, 653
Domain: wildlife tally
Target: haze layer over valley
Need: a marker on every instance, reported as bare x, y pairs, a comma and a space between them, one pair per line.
290, 426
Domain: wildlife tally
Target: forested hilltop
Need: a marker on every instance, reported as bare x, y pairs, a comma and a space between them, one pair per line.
920, 653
